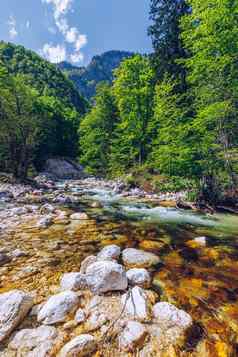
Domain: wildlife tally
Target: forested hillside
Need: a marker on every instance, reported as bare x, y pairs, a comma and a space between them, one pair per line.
40, 111
41, 74
173, 114
99, 69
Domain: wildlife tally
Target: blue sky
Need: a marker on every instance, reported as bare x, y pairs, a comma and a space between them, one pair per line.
75, 30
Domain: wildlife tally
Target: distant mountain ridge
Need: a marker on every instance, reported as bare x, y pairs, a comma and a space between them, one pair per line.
99, 69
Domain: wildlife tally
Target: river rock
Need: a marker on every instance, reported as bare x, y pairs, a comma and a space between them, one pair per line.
106, 276
132, 337
61, 168
168, 315
47, 208
80, 316
111, 252
82, 345
73, 281
6, 196
86, 262
80, 216
18, 211
201, 241
18, 253
14, 306
45, 222
139, 276
135, 258
136, 304
57, 307
4, 259
96, 320
32, 341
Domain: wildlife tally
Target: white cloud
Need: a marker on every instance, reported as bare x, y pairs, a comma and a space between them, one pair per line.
12, 27
76, 57
71, 34
54, 54
28, 24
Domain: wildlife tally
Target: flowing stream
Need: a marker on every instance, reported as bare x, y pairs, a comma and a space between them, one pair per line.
200, 276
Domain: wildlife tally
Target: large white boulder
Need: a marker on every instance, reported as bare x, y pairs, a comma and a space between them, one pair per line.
35, 342
57, 307
168, 315
73, 281
111, 252
86, 262
132, 337
82, 345
139, 276
136, 258
106, 276
136, 304
14, 306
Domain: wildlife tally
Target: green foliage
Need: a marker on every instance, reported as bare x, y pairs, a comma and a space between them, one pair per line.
20, 124
40, 111
133, 91
210, 33
40, 74
165, 34
96, 132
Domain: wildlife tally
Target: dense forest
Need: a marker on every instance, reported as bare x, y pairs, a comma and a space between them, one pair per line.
169, 117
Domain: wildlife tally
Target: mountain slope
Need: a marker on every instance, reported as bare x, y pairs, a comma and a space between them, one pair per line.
42, 75
100, 69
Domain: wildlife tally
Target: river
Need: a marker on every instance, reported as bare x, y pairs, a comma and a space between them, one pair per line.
199, 276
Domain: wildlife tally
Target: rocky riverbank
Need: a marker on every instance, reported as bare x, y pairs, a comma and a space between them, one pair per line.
106, 306
93, 269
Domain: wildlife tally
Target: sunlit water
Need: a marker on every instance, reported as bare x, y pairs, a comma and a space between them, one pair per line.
203, 280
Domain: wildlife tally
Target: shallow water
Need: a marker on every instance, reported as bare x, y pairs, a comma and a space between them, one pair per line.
203, 280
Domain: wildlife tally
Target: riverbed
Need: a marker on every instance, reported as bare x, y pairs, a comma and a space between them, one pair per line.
197, 275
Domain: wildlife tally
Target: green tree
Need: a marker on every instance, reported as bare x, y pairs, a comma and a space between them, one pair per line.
165, 33
133, 90
210, 33
20, 122
96, 131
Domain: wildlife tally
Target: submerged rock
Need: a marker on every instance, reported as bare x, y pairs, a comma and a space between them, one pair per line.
73, 281
111, 252
135, 258
82, 345
132, 337
106, 276
136, 304
139, 276
14, 306
57, 307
